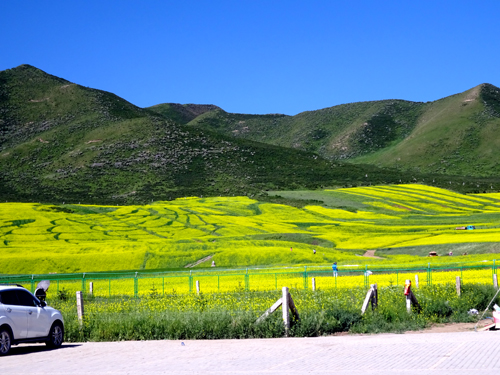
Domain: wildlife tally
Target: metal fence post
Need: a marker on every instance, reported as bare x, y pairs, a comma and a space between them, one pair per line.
136, 286
305, 277
190, 281
429, 274
32, 284
83, 283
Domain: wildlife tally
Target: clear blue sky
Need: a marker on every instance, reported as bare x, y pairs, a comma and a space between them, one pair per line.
258, 56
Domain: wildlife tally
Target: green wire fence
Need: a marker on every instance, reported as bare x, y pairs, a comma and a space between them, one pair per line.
143, 283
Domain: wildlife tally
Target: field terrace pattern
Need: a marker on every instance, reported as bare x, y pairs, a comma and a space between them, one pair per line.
242, 232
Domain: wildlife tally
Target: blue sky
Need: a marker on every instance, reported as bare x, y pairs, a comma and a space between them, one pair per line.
258, 56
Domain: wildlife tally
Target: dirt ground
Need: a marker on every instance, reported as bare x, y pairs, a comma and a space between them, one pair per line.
371, 254
454, 327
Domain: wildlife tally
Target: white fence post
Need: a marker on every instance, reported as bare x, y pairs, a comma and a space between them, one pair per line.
313, 284
91, 288
286, 313
495, 281
79, 306
458, 285
416, 281
198, 286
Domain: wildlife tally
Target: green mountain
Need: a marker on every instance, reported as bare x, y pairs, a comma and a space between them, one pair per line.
60, 141
182, 113
457, 135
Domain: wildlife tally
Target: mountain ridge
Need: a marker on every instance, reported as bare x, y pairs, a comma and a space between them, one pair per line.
60, 141
370, 132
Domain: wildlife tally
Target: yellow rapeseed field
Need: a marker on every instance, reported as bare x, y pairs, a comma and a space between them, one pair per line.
243, 232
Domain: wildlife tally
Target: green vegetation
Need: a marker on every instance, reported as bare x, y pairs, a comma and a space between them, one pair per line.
61, 142
233, 315
457, 135
182, 113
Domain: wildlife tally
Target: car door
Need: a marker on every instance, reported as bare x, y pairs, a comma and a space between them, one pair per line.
17, 315
38, 317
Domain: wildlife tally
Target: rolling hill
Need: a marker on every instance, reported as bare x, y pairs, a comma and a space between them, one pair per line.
456, 135
60, 141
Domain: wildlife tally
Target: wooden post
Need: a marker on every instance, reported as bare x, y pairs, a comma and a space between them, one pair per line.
314, 284
286, 315
371, 297
293, 309
414, 302
374, 299
408, 297
269, 311
79, 306
416, 281
495, 281
197, 286
91, 288
458, 285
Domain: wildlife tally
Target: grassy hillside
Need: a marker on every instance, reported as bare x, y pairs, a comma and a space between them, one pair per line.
182, 113
63, 142
338, 132
457, 135
243, 232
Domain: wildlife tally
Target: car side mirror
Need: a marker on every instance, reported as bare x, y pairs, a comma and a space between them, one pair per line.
42, 304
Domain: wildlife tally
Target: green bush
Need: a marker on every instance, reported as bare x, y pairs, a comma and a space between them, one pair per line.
233, 315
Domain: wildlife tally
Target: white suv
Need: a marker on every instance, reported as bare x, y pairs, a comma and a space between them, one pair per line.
25, 318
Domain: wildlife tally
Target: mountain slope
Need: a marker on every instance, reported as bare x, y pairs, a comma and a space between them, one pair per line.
63, 142
182, 113
455, 135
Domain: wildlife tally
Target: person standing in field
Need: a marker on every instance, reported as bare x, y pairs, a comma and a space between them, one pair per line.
314, 251
335, 270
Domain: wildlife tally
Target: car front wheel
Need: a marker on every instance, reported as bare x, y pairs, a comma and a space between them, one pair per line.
56, 335
5, 341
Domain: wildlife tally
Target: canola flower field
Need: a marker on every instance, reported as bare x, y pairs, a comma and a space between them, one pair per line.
135, 258
242, 232
229, 281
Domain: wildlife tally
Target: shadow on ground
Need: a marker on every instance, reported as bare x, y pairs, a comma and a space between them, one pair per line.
28, 349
